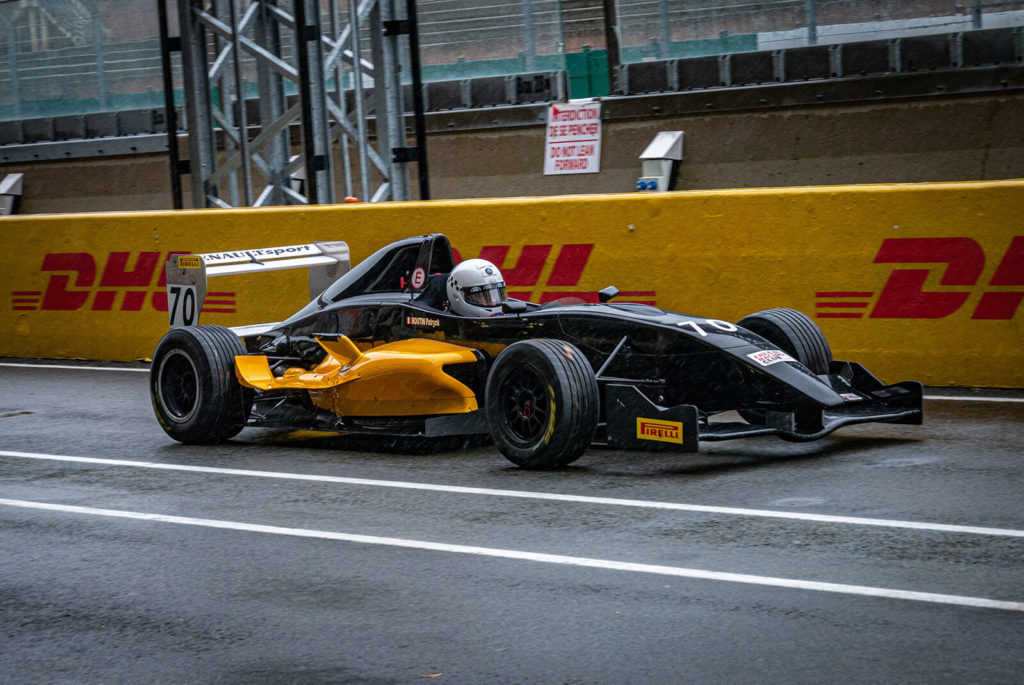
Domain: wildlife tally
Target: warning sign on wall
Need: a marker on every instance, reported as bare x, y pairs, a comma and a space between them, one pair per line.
573, 142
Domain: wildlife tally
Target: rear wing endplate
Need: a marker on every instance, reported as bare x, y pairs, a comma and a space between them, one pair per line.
187, 273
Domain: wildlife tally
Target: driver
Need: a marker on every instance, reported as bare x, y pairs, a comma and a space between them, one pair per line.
476, 288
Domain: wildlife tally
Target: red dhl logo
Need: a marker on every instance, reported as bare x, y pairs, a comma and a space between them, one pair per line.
136, 281
903, 296
562, 280
662, 431
123, 284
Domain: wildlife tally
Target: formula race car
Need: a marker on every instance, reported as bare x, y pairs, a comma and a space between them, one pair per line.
380, 349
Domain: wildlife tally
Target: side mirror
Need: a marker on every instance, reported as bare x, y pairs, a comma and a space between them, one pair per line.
513, 307
607, 294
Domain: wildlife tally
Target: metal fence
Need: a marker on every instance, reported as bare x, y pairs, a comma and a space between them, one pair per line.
672, 29
60, 57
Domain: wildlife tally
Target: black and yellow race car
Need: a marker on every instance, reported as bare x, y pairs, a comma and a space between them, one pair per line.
377, 351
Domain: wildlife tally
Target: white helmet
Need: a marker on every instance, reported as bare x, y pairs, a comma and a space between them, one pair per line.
476, 288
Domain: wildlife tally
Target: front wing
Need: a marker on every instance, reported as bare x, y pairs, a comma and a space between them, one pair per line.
636, 423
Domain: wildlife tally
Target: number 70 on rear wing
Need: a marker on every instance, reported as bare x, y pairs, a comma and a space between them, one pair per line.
187, 273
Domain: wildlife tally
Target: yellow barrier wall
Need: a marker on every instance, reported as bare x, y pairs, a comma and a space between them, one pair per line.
919, 281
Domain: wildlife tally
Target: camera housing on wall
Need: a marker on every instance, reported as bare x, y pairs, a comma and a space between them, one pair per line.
659, 162
10, 193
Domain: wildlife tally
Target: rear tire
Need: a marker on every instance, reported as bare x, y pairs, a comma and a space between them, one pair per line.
542, 403
192, 384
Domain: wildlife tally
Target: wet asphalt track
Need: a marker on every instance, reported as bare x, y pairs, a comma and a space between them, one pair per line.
255, 573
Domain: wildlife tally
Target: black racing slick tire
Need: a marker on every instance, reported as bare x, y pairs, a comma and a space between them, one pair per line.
542, 403
193, 387
795, 333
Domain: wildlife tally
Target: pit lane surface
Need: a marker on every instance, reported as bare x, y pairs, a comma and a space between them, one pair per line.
880, 554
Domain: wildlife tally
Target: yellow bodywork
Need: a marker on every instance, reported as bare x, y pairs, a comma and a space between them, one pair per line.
403, 378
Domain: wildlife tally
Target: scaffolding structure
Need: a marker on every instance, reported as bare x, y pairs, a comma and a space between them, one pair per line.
280, 99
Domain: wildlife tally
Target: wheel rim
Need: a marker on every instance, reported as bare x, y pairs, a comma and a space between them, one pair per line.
178, 386
525, 406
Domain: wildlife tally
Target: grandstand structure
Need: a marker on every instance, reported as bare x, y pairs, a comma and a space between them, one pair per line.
86, 78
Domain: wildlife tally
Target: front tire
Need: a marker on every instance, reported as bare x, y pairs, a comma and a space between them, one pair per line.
196, 396
795, 333
542, 403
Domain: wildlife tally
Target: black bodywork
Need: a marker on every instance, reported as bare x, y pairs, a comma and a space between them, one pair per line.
647, 362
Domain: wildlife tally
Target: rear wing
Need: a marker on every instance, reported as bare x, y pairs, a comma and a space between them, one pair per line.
187, 274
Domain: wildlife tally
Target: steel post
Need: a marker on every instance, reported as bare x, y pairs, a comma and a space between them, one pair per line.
312, 95
529, 40
170, 114
13, 58
202, 149
811, 12
389, 101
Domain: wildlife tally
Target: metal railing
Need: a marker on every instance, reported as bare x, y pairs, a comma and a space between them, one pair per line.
71, 57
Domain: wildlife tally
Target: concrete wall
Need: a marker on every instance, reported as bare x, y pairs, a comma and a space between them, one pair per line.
935, 139
949, 139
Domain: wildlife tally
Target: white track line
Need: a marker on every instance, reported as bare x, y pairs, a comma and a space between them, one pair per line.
968, 398
957, 398
524, 494
72, 368
606, 564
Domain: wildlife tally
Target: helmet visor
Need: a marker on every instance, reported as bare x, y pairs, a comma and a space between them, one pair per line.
489, 295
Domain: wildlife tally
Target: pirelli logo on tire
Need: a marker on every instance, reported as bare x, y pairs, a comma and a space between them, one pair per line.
661, 431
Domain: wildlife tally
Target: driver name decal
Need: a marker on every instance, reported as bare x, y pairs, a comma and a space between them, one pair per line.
424, 321
661, 431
